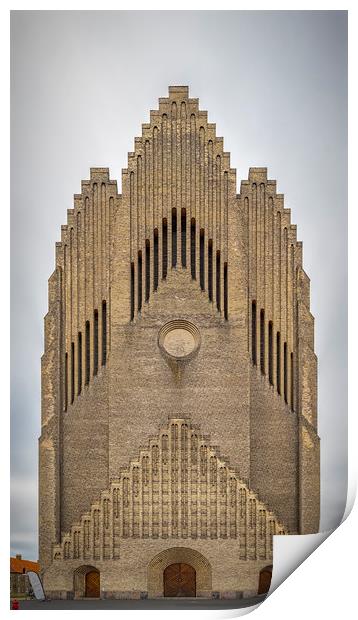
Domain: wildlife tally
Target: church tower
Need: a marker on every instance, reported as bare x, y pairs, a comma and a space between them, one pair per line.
179, 379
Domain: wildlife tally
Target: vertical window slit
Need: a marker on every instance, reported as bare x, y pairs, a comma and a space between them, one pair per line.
218, 281
87, 350
285, 371
262, 341
210, 269
253, 332
66, 382
270, 353
292, 385
104, 333
139, 281
156, 259
72, 371
79, 373
174, 237
165, 248
226, 305
278, 362
183, 237
202, 274
147, 269
132, 291
193, 248
95, 343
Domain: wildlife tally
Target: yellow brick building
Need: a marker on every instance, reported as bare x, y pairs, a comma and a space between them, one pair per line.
179, 379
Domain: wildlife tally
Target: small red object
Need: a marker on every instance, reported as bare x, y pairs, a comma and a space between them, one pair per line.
15, 604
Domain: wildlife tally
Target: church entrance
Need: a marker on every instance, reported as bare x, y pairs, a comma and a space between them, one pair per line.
179, 572
92, 589
265, 580
86, 582
179, 580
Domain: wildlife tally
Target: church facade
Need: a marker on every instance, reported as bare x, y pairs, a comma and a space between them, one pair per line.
179, 379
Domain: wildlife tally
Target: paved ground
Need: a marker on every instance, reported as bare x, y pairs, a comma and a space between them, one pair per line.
194, 603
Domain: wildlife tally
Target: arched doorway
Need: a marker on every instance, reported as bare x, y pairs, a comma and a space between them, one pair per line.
179, 580
87, 582
179, 571
92, 588
265, 580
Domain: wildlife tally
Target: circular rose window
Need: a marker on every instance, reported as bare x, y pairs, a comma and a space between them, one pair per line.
179, 339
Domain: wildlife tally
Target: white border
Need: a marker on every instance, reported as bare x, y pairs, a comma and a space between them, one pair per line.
324, 583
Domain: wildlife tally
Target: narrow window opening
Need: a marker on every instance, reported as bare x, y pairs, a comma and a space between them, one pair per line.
270, 352
72, 371
156, 259
202, 273
262, 341
66, 381
226, 307
95, 343
183, 237
139, 281
147, 269
192, 249
218, 281
292, 385
285, 371
210, 269
79, 375
174, 237
278, 362
132, 291
253, 332
87, 345
165, 248
104, 333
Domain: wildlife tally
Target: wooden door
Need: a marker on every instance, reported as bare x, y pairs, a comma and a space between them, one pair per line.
92, 584
265, 580
179, 580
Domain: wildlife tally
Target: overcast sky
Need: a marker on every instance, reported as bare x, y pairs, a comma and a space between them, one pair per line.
275, 84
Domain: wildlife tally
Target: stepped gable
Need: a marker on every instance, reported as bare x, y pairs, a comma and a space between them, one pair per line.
178, 487
179, 187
